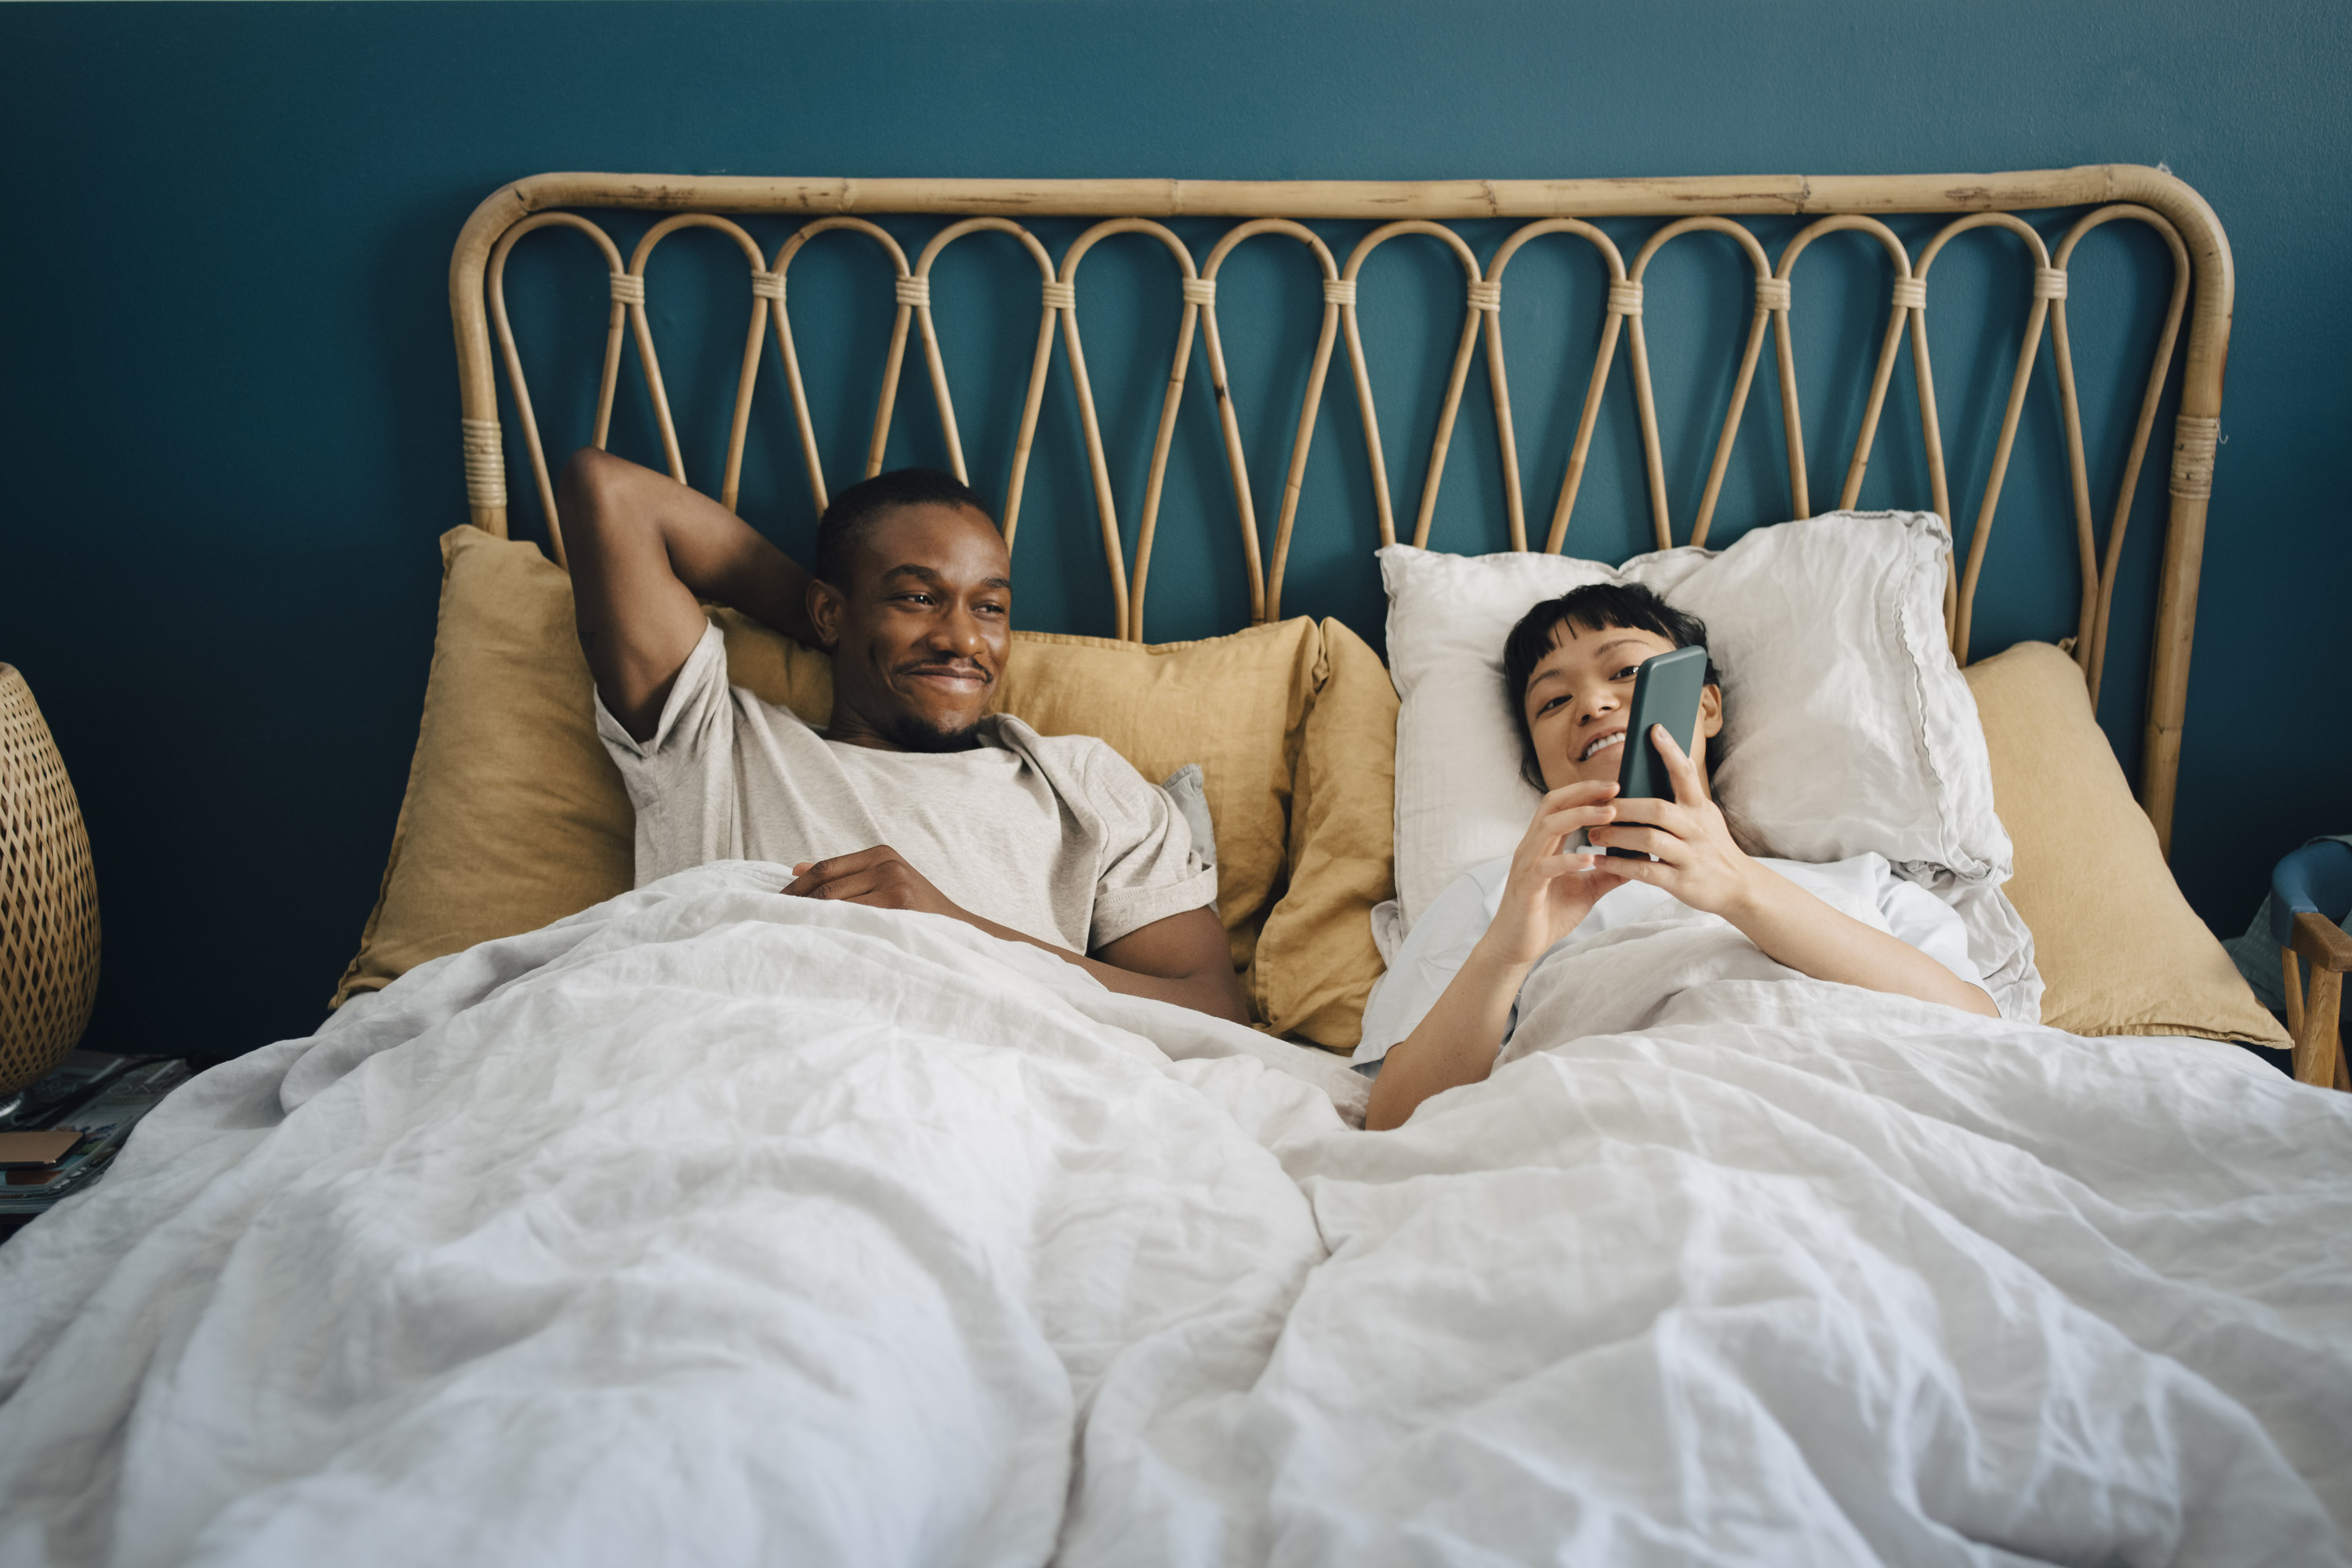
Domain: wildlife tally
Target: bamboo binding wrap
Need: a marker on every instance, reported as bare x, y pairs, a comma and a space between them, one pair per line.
2201, 297
48, 896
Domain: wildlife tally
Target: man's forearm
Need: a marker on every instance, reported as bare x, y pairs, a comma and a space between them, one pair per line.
643, 550
1216, 995
724, 559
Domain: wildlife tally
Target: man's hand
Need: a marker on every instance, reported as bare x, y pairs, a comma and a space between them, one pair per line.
878, 877
1548, 891
1181, 958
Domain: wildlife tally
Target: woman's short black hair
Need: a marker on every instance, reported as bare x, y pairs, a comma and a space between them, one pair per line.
855, 509
1595, 607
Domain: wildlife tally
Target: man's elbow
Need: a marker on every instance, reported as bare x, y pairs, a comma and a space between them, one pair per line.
1219, 995
592, 493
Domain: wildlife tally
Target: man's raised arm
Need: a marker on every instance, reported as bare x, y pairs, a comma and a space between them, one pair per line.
643, 549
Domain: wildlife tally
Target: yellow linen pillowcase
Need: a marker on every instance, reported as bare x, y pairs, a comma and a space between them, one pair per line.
515, 816
2118, 947
1233, 704
1316, 961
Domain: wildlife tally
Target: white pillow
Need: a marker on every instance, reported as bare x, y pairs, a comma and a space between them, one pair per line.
1847, 727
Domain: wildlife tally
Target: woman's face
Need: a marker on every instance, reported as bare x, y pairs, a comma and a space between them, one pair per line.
1577, 702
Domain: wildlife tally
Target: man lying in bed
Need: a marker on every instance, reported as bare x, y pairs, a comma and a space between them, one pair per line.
1446, 1007
913, 798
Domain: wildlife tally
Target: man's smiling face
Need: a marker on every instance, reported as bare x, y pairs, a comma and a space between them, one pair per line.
1579, 699
920, 632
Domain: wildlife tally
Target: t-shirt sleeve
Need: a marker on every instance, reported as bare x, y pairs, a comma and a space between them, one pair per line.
1147, 866
680, 779
1928, 923
1432, 954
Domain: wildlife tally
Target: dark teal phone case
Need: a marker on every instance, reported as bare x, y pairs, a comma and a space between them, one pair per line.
1667, 690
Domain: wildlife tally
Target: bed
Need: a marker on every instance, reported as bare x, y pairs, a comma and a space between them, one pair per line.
692, 1221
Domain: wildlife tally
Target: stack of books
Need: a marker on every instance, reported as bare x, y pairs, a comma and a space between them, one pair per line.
70, 1125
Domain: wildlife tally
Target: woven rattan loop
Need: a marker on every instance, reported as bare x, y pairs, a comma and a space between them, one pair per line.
1485, 296
915, 291
1910, 294
48, 896
2049, 283
1339, 291
2194, 443
486, 462
1200, 291
628, 288
1624, 298
1771, 293
768, 286
1060, 296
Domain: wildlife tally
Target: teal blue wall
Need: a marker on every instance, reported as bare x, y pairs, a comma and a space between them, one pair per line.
228, 413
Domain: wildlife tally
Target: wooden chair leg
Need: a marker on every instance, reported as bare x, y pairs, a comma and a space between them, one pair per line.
2292, 968
2317, 1056
2318, 1052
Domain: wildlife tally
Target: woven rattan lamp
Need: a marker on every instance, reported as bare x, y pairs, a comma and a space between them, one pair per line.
48, 896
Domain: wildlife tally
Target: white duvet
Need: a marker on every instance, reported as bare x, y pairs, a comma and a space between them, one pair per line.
714, 1227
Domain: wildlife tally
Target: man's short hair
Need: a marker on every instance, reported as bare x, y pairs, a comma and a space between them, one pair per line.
1595, 607
857, 509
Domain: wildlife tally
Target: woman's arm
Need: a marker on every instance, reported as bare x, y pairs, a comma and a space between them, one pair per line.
1796, 929
1454, 1042
1547, 895
1698, 863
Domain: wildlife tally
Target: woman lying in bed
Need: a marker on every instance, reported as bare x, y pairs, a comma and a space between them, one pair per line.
1448, 1003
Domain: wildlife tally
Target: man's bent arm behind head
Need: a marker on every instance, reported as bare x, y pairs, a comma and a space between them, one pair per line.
643, 550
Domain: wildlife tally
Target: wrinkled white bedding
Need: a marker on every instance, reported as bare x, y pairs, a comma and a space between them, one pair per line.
713, 1226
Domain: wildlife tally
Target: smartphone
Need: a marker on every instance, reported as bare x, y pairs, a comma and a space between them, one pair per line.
1667, 690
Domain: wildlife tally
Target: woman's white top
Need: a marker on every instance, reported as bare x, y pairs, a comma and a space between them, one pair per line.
1436, 948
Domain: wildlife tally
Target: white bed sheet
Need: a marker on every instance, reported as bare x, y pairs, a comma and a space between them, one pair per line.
714, 1227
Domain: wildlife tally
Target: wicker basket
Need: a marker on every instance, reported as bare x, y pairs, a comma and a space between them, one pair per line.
48, 896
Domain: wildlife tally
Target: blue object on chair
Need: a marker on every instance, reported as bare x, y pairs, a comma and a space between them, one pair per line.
2315, 877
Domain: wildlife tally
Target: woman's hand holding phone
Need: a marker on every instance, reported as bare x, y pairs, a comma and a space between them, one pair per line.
1698, 863
1696, 860
1551, 888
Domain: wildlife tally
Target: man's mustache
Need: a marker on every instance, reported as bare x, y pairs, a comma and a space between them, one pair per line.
949, 666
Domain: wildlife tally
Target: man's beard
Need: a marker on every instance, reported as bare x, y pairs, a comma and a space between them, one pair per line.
909, 732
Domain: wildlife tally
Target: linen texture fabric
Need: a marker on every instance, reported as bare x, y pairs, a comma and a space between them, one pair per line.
1234, 705
2120, 950
1059, 839
514, 816
1316, 960
1848, 729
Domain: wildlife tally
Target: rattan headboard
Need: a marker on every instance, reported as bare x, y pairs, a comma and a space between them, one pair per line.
2201, 293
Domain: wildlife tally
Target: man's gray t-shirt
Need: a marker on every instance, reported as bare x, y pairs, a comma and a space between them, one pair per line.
1056, 836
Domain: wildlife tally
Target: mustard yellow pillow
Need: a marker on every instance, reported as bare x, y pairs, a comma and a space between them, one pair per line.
2119, 948
1316, 962
1233, 704
515, 816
